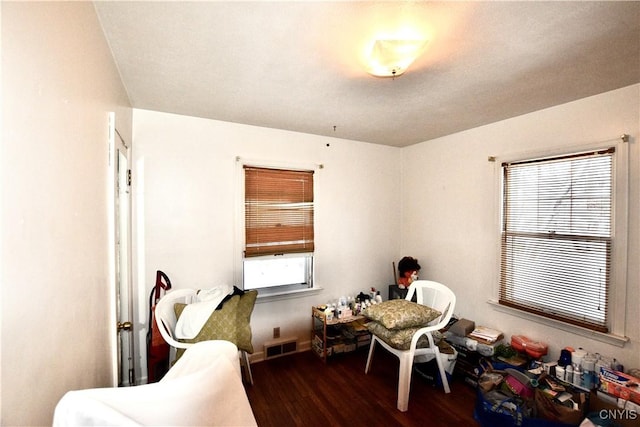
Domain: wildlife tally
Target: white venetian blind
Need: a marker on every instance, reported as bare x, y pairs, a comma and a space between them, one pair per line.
556, 237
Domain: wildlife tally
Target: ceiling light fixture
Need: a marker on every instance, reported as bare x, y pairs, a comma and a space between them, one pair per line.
391, 58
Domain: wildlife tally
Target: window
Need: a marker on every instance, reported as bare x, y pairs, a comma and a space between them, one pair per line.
556, 237
279, 228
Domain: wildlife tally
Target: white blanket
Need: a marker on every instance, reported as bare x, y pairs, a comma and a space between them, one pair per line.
204, 388
196, 314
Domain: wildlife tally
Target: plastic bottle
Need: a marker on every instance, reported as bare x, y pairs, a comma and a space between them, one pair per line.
568, 374
577, 376
565, 358
617, 366
589, 371
329, 313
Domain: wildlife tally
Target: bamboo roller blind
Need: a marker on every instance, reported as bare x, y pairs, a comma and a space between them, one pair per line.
278, 211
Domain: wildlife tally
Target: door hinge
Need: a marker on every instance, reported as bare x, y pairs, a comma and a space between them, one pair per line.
129, 177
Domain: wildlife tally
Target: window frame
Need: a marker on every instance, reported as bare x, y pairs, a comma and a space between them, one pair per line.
277, 291
307, 258
619, 236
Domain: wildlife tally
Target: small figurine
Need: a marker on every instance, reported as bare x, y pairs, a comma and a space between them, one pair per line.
408, 268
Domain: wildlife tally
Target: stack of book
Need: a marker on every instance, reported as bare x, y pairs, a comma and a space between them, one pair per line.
486, 335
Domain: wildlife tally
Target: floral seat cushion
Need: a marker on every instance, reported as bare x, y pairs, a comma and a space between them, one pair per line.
398, 314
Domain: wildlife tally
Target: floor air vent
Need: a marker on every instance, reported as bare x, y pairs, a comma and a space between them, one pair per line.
280, 348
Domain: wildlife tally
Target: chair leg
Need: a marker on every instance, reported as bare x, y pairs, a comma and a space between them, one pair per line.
443, 374
404, 381
247, 366
370, 357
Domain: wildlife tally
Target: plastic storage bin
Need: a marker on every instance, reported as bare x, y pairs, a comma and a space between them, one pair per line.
535, 349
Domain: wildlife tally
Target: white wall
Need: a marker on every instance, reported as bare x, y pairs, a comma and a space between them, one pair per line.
59, 83
449, 219
186, 191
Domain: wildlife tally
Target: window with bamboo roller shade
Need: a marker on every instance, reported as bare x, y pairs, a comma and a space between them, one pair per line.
278, 211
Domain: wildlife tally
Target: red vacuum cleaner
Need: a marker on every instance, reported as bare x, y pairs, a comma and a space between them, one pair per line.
157, 347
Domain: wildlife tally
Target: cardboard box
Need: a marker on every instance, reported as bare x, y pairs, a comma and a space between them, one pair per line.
361, 344
462, 327
607, 409
348, 348
469, 356
620, 385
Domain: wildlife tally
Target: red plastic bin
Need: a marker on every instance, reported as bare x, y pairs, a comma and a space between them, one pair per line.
535, 349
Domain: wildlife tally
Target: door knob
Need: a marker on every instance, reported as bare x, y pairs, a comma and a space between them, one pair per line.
127, 326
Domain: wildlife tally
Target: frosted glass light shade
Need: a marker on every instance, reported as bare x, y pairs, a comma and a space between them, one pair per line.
391, 58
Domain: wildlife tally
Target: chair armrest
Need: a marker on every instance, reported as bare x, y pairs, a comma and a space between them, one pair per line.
420, 332
168, 337
427, 331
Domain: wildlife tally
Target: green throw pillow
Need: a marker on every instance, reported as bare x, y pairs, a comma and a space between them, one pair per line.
243, 316
400, 314
401, 338
232, 322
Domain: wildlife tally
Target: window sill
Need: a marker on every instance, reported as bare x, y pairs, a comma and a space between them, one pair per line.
608, 338
277, 296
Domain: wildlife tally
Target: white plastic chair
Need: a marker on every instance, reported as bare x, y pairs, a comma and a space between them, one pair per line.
434, 295
166, 320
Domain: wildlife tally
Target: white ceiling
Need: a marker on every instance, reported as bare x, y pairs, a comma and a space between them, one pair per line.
298, 65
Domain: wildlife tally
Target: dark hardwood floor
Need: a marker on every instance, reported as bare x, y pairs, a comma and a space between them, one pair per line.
300, 390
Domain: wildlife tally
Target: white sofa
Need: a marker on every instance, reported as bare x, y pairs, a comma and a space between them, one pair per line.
203, 388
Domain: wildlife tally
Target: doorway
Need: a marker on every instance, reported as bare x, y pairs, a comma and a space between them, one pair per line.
122, 275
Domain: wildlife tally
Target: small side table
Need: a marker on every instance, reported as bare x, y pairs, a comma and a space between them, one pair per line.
359, 336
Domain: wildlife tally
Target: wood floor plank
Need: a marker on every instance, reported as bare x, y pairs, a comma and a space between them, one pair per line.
301, 390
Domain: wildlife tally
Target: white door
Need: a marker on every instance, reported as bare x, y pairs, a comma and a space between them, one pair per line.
122, 258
